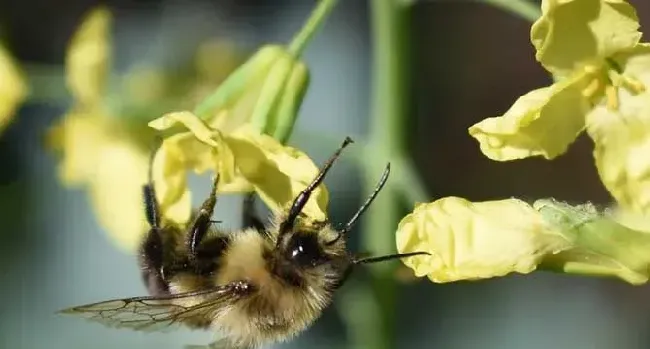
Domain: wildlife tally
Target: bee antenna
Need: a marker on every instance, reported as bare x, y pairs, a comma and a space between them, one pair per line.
371, 260
301, 200
364, 207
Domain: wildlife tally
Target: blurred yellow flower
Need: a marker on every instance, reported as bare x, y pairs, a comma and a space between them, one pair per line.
602, 71
98, 153
245, 159
88, 58
99, 156
106, 150
469, 240
13, 88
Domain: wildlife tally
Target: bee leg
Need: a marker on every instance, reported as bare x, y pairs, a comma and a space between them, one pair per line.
151, 251
202, 221
250, 219
151, 264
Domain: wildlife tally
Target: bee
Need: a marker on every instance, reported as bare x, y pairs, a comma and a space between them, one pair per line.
256, 286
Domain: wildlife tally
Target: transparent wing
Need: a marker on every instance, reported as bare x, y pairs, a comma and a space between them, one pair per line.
194, 309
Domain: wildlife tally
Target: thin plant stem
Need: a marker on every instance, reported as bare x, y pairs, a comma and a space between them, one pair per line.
372, 322
314, 22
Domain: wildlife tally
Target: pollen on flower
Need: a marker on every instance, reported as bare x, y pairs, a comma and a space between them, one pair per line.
611, 93
592, 89
632, 84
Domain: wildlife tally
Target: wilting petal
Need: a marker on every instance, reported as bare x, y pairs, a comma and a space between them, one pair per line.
88, 58
571, 33
543, 122
621, 149
13, 88
469, 240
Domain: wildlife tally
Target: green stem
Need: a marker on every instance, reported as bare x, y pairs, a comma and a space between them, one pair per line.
47, 83
314, 21
372, 321
388, 126
522, 8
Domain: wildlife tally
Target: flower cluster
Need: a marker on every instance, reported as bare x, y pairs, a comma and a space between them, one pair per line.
233, 121
105, 146
601, 71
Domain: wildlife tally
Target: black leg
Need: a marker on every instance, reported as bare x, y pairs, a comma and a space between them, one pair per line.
152, 209
151, 251
249, 218
202, 221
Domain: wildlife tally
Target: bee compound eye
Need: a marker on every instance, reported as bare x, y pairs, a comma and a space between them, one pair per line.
304, 249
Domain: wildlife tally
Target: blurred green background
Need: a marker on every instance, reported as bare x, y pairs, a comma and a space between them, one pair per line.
469, 60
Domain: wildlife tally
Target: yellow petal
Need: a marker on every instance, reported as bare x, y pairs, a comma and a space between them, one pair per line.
78, 137
116, 193
469, 240
88, 57
187, 119
13, 88
278, 173
99, 157
543, 122
571, 33
245, 160
635, 64
621, 147
197, 151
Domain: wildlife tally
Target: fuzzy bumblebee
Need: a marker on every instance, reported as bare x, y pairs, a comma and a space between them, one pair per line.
256, 286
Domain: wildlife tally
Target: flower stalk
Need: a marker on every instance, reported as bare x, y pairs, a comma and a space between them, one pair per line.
318, 16
386, 140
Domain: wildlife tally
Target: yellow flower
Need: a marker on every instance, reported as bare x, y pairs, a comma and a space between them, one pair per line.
571, 34
478, 240
13, 88
245, 159
98, 153
106, 150
99, 157
602, 71
239, 132
88, 58
622, 138
469, 240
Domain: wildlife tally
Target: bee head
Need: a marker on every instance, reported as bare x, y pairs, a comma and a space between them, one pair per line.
310, 246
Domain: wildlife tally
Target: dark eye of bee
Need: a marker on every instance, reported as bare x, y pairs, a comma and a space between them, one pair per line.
304, 250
